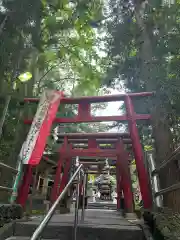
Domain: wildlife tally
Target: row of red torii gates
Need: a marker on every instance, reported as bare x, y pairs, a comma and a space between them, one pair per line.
67, 150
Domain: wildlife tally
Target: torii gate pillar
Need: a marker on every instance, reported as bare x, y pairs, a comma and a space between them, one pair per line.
138, 154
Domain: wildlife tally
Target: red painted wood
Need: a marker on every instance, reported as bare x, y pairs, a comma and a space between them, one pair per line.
93, 152
100, 135
86, 119
118, 184
84, 111
25, 184
94, 135
92, 143
96, 99
57, 179
125, 180
85, 116
138, 153
99, 141
65, 174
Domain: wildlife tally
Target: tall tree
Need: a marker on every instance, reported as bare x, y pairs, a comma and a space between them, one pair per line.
56, 42
144, 50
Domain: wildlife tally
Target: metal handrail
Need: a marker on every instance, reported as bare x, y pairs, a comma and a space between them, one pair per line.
154, 180
84, 190
50, 213
77, 206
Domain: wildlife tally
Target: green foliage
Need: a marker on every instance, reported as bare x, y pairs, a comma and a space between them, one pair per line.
56, 43
52, 39
71, 45
144, 50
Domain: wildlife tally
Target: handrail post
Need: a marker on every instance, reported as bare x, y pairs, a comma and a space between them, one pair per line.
77, 205
154, 180
84, 192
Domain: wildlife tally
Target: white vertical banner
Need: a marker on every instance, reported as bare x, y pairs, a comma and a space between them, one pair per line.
34, 145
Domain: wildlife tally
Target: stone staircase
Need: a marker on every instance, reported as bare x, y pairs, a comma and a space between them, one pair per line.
98, 225
102, 205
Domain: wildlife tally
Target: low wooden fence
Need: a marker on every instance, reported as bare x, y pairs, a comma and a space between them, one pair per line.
7, 174
165, 181
8, 211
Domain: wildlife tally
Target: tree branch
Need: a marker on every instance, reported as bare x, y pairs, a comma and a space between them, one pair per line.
39, 82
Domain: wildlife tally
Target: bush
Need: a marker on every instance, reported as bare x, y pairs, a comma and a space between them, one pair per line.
10, 212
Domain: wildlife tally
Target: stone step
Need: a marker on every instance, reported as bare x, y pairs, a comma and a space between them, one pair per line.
25, 238
101, 205
98, 225
65, 231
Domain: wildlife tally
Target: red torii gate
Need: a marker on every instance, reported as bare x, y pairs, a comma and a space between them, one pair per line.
123, 174
84, 115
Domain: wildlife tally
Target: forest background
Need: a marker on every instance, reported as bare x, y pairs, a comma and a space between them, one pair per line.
91, 48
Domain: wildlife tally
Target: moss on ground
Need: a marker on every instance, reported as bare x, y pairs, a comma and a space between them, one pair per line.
168, 223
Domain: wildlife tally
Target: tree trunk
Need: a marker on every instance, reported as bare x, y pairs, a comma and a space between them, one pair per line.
4, 113
161, 132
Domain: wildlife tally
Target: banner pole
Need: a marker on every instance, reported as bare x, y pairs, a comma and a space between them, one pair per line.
17, 181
